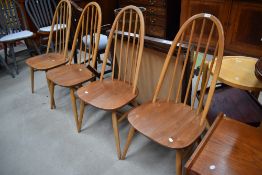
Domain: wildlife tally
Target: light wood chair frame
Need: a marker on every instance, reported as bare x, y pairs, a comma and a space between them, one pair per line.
216, 58
137, 42
83, 28
61, 36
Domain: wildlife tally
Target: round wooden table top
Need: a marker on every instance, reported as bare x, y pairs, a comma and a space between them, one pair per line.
258, 69
239, 72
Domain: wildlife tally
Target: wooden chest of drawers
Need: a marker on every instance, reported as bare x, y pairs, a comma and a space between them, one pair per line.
158, 16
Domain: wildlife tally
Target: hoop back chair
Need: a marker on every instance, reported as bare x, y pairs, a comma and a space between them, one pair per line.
74, 75
41, 12
172, 122
57, 47
13, 28
119, 90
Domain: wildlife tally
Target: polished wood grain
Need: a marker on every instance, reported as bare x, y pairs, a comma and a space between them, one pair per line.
99, 94
229, 147
162, 120
258, 69
171, 121
74, 75
70, 75
46, 61
239, 72
121, 88
57, 42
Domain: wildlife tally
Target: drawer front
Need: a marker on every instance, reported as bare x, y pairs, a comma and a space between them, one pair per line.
156, 31
158, 3
155, 20
152, 10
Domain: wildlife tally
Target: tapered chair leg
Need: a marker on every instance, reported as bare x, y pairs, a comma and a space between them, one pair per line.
116, 133
12, 51
52, 89
82, 109
73, 100
179, 162
128, 141
32, 73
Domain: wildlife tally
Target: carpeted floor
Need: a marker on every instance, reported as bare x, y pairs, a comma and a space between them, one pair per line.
35, 140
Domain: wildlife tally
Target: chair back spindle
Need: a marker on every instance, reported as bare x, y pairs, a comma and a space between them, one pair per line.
41, 12
60, 29
88, 31
210, 42
127, 34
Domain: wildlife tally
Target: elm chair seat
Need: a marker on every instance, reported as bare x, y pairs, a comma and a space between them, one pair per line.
69, 75
102, 41
149, 119
47, 29
118, 92
16, 36
46, 61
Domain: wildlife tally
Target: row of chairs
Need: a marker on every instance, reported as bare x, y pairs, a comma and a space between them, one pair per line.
175, 121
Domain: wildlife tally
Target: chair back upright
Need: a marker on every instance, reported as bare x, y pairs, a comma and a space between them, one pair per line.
88, 31
207, 31
60, 29
9, 17
128, 25
41, 12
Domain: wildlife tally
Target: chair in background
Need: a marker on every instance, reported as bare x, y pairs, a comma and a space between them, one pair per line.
172, 122
59, 34
74, 75
41, 12
13, 30
115, 92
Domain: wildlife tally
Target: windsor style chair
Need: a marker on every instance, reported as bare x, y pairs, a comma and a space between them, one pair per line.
74, 75
59, 35
13, 28
172, 122
119, 90
41, 13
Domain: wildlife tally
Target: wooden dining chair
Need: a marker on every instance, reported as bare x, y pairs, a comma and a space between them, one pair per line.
13, 28
113, 93
41, 13
171, 121
74, 75
57, 48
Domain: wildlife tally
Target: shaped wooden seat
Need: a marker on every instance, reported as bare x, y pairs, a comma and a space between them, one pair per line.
120, 89
100, 92
176, 120
46, 61
70, 75
163, 121
74, 75
57, 42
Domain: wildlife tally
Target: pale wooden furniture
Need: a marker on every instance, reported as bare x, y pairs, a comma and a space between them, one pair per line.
171, 121
116, 92
74, 75
229, 147
57, 42
239, 72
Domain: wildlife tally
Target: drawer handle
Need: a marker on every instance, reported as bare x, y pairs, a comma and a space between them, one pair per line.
153, 21
151, 11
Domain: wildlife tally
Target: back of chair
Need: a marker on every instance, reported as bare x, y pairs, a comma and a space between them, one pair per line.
208, 31
41, 12
9, 18
60, 29
88, 31
128, 24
